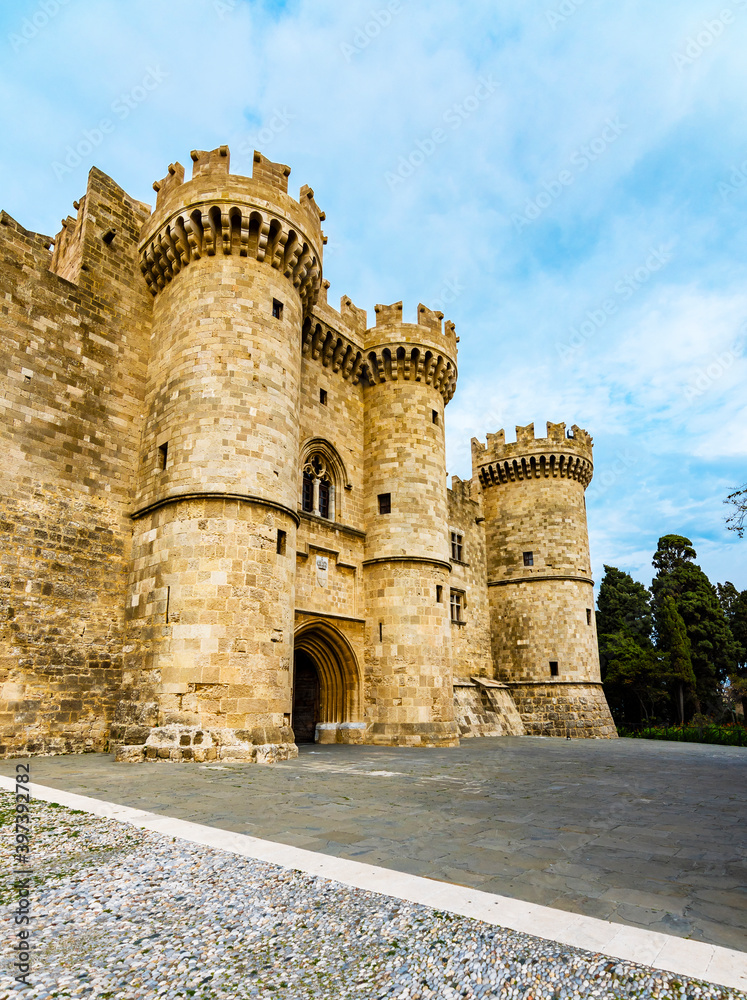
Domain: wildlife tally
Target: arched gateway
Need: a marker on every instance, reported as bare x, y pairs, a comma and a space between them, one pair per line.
326, 686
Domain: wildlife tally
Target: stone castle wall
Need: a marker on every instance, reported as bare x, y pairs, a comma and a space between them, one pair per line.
409, 697
564, 709
406, 570
75, 349
470, 641
223, 422
539, 577
170, 375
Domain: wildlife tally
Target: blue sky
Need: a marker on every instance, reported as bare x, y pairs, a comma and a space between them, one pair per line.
566, 179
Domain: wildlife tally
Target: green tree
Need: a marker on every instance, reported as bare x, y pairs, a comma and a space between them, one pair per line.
712, 648
734, 604
624, 625
673, 552
624, 605
672, 640
637, 671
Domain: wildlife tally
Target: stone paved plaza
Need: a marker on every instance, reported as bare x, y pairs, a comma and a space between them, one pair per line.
638, 832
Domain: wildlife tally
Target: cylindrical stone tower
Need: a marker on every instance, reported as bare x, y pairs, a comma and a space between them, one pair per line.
234, 265
409, 695
539, 578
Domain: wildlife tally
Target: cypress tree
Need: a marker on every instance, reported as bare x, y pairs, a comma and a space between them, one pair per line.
673, 641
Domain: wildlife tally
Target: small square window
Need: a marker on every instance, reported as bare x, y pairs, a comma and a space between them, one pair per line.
277, 309
163, 455
323, 396
529, 558
385, 503
281, 543
457, 606
434, 416
108, 236
457, 546
588, 616
553, 668
439, 594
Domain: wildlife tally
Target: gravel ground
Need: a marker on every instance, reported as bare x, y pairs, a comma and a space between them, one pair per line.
123, 912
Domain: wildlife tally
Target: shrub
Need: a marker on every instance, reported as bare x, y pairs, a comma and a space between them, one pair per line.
699, 730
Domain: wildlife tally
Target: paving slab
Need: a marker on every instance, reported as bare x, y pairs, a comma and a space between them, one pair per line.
552, 822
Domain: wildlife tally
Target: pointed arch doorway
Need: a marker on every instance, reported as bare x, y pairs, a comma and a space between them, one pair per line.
326, 684
305, 698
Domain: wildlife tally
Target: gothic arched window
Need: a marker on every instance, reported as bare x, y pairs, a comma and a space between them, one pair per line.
318, 491
307, 497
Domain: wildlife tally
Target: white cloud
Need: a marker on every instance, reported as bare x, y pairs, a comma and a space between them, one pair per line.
234, 73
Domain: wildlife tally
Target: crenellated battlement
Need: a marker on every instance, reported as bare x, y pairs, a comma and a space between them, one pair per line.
424, 351
163, 188
272, 174
463, 491
355, 318
217, 212
561, 454
428, 318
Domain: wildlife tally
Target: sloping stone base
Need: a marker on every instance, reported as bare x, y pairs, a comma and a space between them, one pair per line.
351, 733
413, 734
180, 743
485, 708
566, 708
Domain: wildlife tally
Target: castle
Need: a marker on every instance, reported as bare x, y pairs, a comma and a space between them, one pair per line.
225, 525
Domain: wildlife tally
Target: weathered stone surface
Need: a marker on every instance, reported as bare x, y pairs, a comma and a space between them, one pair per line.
130, 755
575, 710
238, 752
485, 709
270, 753
136, 734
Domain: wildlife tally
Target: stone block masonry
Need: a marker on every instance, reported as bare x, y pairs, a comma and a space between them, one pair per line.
74, 347
539, 578
224, 523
